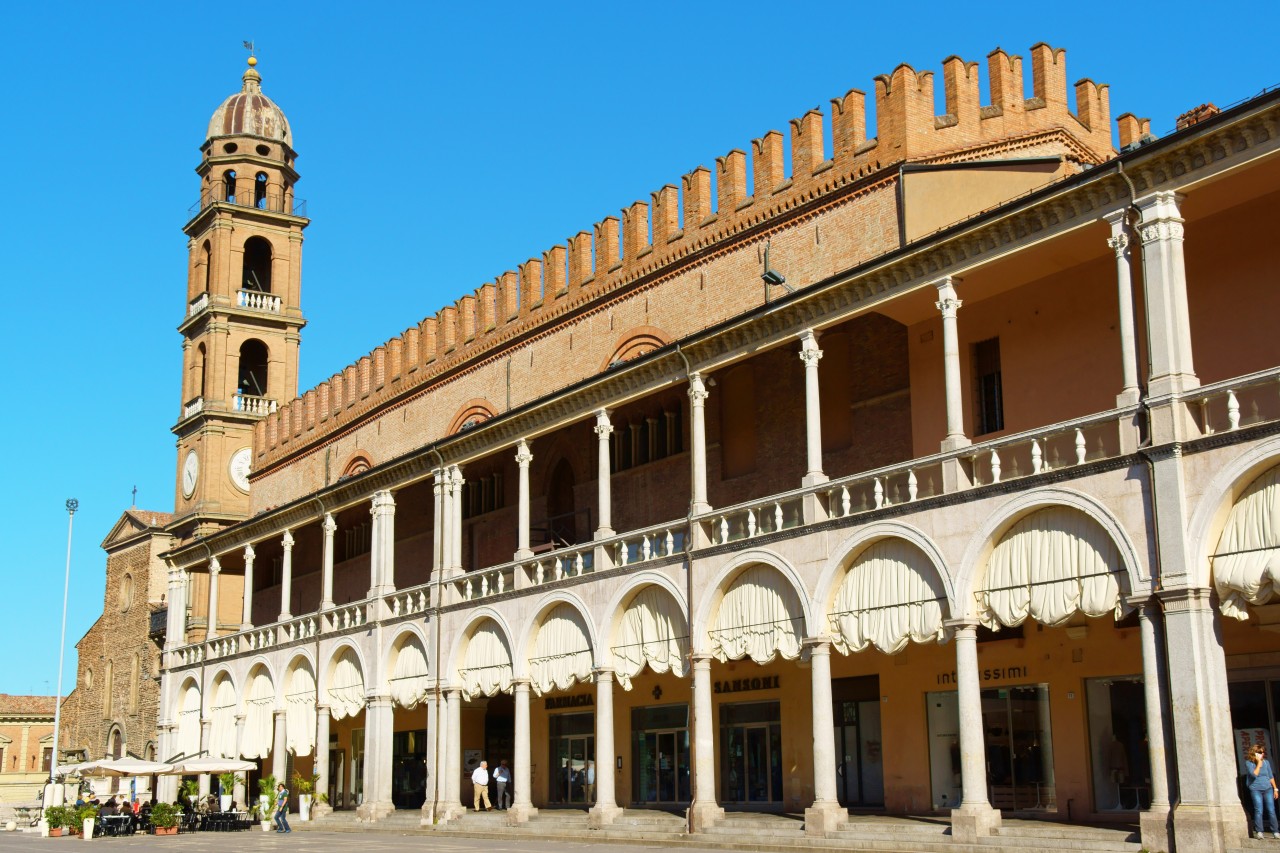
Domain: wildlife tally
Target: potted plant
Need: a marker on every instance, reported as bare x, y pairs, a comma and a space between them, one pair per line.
304, 786
267, 800
189, 791
164, 817
56, 818
227, 783
86, 816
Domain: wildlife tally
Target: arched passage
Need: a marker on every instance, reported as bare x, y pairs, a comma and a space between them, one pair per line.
890, 596
345, 690
760, 616
188, 734
485, 667
300, 708
259, 714
408, 678
562, 653
651, 632
222, 716
1246, 561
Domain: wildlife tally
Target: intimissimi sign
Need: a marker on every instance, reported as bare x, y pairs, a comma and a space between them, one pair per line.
738, 685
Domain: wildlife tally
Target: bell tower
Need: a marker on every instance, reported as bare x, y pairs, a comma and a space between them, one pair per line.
243, 317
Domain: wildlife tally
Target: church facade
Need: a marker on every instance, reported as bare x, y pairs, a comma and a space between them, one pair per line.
933, 471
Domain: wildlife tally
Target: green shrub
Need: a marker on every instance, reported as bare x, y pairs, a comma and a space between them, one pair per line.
228, 782
57, 816
267, 787
164, 815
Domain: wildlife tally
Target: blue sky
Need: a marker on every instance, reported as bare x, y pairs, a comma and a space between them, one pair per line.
440, 145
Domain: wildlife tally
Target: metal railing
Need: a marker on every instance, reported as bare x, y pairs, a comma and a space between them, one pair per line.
272, 203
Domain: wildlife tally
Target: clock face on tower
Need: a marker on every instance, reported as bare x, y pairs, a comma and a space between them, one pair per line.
239, 469
190, 473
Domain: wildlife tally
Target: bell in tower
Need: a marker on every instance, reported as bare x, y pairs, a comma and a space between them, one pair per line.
243, 314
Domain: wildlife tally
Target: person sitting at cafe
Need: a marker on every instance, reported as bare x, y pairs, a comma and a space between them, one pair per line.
108, 808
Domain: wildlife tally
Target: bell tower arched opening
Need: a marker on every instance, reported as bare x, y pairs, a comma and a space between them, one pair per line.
252, 381
229, 186
257, 264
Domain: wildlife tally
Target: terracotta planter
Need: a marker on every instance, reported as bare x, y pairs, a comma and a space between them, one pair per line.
55, 832
166, 830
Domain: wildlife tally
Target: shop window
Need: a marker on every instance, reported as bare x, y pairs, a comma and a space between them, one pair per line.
751, 752
660, 754
408, 769
1118, 744
987, 387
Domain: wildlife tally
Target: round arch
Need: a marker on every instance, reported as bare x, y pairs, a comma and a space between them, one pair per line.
636, 342
190, 702
833, 572
259, 711
298, 698
407, 667
723, 585
224, 702
1214, 507
344, 680
641, 632
473, 412
483, 661
550, 648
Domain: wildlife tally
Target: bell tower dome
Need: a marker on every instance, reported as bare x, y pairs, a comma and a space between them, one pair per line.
243, 316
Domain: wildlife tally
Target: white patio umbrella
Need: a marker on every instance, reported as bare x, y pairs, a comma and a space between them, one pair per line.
212, 766
123, 767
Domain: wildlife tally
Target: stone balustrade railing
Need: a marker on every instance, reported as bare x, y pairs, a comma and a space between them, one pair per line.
257, 301
198, 304
652, 543
351, 615
194, 407
252, 405
749, 520
408, 601
1240, 402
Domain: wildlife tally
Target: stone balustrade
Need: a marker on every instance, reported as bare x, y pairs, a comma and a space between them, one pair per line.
257, 301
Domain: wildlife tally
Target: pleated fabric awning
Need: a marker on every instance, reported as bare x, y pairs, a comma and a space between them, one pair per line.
486, 665
652, 634
890, 597
561, 652
346, 686
188, 740
759, 617
1246, 563
259, 716
222, 718
409, 676
1051, 564
300, 710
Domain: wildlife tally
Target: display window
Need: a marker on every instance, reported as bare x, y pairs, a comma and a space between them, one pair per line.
1118, 747
751, 753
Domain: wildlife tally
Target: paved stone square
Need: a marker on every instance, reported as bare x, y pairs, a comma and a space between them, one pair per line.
296, 842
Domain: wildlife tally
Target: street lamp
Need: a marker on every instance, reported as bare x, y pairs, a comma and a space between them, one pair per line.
72, 506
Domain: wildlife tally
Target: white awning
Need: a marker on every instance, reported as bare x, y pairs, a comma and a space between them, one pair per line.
300, 711
652, 633
259, 716
188, 740
1246, 563
346, 687
486, 665
409, 677
759, 617
1049, 565
222, 716
561, 652
890, 597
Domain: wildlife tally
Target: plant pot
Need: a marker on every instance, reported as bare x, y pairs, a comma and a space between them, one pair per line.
225, 801
55, 832
166, 830
304, 807
88, 829
266, 826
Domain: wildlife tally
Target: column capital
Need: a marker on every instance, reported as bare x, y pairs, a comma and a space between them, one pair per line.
523, 454
276, 712
603, 427
287, 540
249, 553
602, 673
1185, 599
328, 525
177, 575
697, 389
963, 625
1146, 603
1119, 243
810, 357
322, 709
817, 645
214, 566
948, 303
702, 659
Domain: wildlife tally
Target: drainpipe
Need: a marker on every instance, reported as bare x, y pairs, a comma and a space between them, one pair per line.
688, 598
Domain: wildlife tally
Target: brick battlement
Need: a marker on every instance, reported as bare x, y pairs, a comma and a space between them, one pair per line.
688, 219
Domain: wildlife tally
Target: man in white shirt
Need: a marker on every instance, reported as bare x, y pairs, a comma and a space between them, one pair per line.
502, 778
480, 781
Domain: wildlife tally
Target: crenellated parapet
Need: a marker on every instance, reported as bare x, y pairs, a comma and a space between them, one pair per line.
749, 192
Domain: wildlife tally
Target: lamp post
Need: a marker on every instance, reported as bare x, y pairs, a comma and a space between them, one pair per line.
72, 506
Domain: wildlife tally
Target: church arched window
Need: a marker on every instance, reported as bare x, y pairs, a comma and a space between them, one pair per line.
229, 184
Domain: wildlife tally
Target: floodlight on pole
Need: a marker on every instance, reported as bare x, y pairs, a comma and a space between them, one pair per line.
72, 506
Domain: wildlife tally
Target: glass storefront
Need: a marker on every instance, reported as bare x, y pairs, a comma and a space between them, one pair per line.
660, 755
1019, 744
573, 754
357, 767
1118, 748
859, 750
408, 769
751, 753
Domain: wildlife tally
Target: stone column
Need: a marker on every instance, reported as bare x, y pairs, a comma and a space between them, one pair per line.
1119, 243
698, 443
949, 305
175, 629
456, 543
378, 729
446, 522
453, 751
975, 818
437, 521
1154, 823
328, 527
605, 810
206, 736
604, 430
279, 747
810, 355
522, 774
1165, 279
434, 715
523, 458
382, 550
1207, 816
211, 629
826, 813
319, 809
703, 811
246, 615
239, 747
286, 577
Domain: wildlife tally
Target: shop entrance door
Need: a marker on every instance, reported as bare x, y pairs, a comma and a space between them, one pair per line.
859, 767
573, 753
663, 767
751, 752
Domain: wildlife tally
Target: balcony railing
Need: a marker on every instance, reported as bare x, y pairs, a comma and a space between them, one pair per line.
198, 304
194, 407
252, 405
1223, 406
159, 623
273, 203
255, 300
